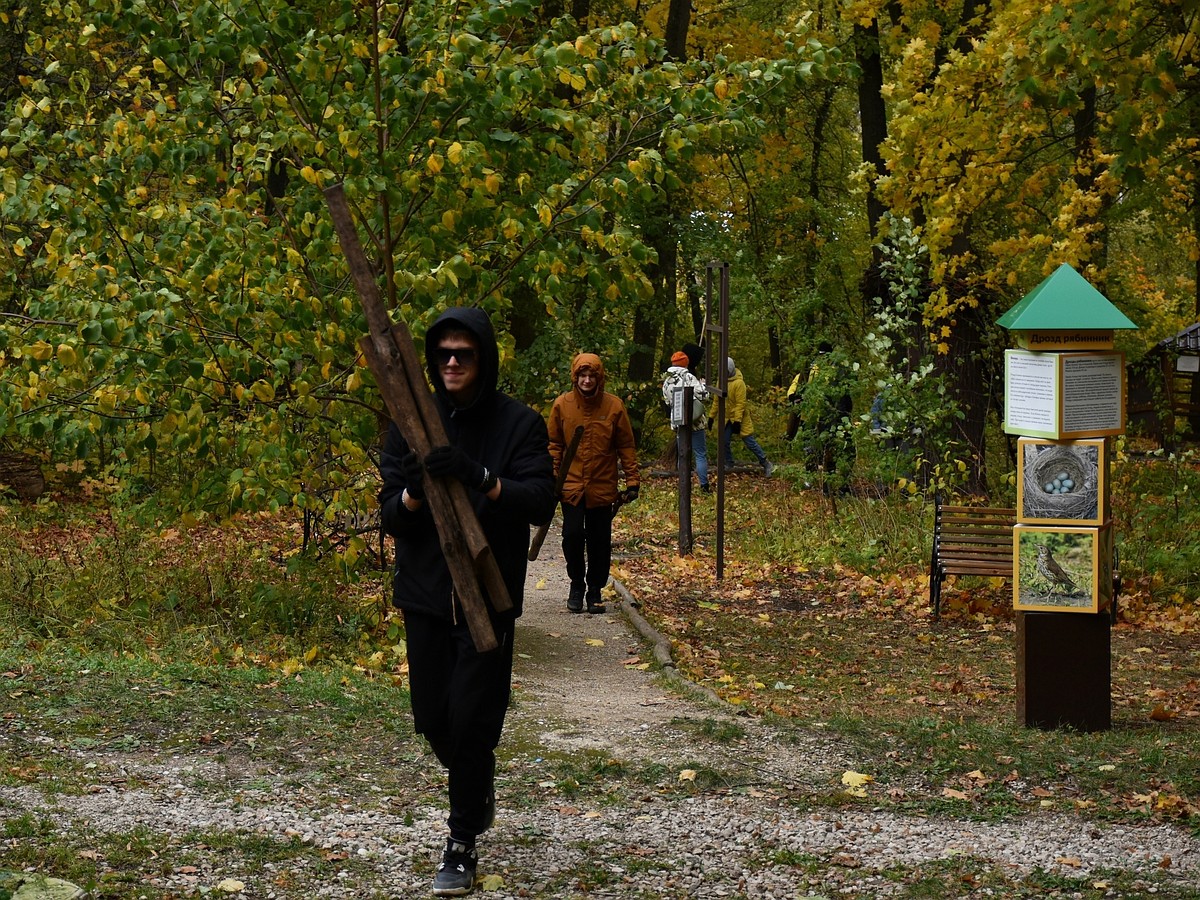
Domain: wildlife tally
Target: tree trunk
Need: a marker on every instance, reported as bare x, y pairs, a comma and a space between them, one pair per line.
971, 375
679, 19
661, 234
22, 475
872, 112
527, 317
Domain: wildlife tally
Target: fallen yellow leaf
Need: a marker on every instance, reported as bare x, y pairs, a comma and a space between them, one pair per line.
491, 882
856, 783
594, 642
687, 775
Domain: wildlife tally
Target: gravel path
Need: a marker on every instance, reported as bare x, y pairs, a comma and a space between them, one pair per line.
582, 687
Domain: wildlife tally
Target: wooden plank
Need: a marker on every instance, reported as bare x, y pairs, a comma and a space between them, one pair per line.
994, 535
390, 353
477, 543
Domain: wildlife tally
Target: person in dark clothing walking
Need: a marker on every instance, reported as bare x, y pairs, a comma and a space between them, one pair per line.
498, 449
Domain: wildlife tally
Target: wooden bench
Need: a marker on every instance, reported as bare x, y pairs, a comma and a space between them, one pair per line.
969, 540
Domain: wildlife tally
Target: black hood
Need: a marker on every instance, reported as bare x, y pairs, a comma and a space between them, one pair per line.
476, 321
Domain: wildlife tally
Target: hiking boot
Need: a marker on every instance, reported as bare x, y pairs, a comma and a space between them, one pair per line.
575, 599
706, 489
456, 874
595, 603
768, 468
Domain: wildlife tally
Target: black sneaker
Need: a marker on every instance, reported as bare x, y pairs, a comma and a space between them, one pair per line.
705, 489
456, 874
575, 600
594, 602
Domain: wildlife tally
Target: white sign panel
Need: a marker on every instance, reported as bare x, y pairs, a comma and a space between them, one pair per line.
1062, 396
1030, 393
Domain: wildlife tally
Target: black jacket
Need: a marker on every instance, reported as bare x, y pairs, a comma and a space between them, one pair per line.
502, 434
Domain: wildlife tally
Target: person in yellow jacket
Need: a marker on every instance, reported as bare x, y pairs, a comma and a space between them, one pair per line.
591, 490
737, 419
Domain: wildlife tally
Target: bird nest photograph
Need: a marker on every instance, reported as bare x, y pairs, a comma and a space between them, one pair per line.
1061, 482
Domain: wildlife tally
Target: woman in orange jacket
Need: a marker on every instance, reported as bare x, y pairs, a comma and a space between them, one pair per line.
591, 490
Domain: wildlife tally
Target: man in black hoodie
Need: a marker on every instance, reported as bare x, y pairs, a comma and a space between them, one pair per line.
499, 449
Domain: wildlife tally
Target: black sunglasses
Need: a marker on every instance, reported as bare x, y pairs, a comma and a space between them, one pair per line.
464, 355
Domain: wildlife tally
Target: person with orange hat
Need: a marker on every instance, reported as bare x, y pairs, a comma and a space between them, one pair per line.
591, 491
679, 375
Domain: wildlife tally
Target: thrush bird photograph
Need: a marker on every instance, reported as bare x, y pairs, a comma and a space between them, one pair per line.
1054, 574
1055, 569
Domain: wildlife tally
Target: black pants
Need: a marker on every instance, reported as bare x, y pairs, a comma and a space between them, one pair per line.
587, 545
459, 699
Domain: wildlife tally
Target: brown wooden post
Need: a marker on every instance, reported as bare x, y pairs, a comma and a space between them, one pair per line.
720, 330
1064, 674
392, 358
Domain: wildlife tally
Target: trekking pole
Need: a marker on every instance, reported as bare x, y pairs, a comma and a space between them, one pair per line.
539, 536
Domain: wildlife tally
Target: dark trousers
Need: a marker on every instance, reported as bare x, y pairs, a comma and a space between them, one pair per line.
459, 699
587, 544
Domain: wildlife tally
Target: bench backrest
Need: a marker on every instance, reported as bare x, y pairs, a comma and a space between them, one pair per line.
973, 539
974, 524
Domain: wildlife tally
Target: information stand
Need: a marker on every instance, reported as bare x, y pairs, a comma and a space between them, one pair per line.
1064, 393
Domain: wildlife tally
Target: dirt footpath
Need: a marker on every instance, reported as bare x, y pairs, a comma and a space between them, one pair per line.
593, 681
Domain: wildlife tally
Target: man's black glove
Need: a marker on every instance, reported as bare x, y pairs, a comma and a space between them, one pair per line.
736, 427
441, 462
629, 495
710, 424
414, 475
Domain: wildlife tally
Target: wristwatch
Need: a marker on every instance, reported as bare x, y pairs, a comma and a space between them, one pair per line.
489, 481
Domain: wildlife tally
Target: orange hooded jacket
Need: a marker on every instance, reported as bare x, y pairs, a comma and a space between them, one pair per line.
593, 478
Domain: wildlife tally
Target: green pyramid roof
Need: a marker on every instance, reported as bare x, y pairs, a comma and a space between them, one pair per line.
1064, 300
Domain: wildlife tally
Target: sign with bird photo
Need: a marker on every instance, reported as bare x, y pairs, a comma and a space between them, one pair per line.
1062, 569
1062, 483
